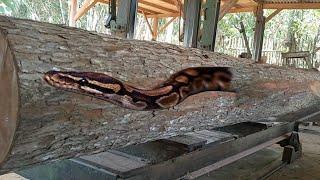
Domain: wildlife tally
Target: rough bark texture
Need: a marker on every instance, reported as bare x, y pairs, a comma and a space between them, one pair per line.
54, 124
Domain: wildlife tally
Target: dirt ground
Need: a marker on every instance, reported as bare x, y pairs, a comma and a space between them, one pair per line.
308, 167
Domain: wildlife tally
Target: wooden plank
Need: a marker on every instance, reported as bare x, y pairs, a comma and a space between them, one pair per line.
212, 136
113, 162
190, 143
301, 54
85, 8
273, 14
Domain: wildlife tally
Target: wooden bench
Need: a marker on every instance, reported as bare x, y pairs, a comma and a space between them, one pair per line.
301, 54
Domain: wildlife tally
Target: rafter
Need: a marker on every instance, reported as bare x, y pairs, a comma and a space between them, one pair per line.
166, 25
84, 8
154, 7
291, 6
226, 8
148, 23
163, 15
273, 14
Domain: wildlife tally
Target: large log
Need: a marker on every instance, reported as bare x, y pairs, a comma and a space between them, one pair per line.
39, 123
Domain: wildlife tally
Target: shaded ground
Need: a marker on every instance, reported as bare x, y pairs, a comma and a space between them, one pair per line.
256, 165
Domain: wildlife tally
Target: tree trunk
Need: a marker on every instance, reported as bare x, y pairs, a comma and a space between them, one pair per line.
39, 123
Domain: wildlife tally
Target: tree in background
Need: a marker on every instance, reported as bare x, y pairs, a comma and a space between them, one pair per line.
291, 30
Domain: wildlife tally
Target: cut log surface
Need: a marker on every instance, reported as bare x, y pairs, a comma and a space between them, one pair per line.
39, 123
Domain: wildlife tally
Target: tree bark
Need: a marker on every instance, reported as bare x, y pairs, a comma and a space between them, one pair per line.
39, 123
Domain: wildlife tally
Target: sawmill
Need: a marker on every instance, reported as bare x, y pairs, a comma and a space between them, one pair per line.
159, 89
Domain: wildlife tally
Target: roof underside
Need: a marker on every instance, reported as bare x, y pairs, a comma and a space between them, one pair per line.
171, 8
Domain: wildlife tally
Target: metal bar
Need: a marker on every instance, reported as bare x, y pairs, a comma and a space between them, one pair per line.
192, 14
231, 159
113, 9
210, 24
212, 153
126, 16
132, 18
258, 34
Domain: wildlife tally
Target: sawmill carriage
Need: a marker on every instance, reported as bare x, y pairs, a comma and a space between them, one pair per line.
153, 128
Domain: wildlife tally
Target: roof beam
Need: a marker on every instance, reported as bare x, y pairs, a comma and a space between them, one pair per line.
147, 11
179, 6
85, 8
166, 4
304, 5
155, 7
226, 8
163, 15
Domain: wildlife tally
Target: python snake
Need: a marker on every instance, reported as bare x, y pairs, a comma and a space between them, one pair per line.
177, 88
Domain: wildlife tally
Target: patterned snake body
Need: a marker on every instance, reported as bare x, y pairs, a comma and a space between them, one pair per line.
178, 87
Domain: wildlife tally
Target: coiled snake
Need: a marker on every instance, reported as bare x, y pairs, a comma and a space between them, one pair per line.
178, 87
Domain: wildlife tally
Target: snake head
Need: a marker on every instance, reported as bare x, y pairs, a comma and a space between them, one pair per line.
222, 80
63, 80
83, 82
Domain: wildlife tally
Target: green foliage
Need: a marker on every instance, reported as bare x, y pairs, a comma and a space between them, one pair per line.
228, 26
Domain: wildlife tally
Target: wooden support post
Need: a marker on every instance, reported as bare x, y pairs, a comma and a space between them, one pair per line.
179, 6
155, 25
126, 17
210, 24
73, 11
258, 34
192, 14
242, 30
148, 23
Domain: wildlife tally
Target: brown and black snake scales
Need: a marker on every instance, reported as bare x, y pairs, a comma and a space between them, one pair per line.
178, 87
